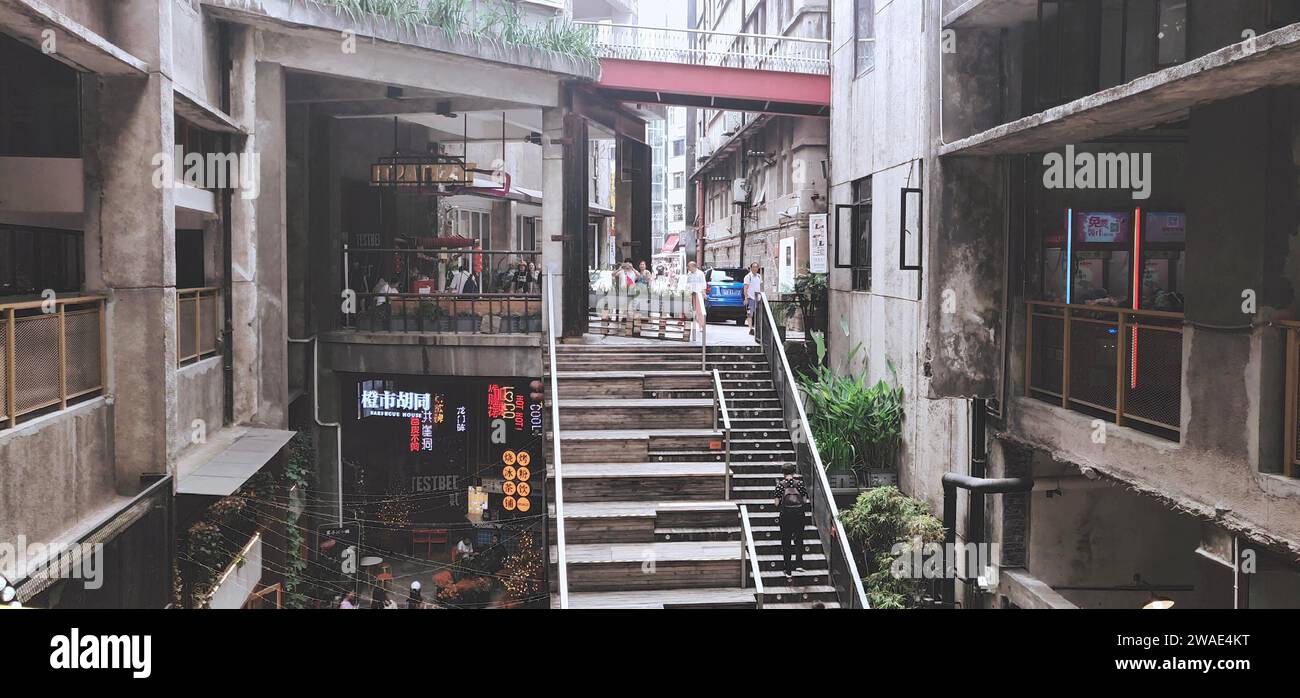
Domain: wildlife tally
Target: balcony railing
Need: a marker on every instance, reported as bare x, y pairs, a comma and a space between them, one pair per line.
443, 290
51, 354
1291, 408
198, 324
786, 54
1097, 359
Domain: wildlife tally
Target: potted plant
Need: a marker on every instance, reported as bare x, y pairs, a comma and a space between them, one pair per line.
881, 523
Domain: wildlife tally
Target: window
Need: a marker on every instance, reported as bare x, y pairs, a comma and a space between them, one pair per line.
679, 147
1171, 28
34, 259
853, 235
526, 233
477, 226
679, 180
864, 35
679, 212
189, 259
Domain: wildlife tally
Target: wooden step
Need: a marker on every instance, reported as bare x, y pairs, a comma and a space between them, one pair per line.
587, 414
623, 567
720, 597
637, 521
606, 482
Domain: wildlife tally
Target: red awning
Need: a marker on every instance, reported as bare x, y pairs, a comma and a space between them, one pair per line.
670, 244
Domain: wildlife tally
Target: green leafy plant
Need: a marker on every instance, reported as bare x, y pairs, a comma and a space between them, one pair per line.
498, 23
881, 521
297, 474
857, 424
810, 293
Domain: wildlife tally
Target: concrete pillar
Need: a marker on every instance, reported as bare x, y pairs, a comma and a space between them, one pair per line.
622, 200
553, 206
133, 222
271, 267
243, 243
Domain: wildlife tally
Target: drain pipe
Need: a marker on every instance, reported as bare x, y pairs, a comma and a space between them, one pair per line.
315, 400
978, 485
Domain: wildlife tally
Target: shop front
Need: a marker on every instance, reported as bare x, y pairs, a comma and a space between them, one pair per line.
1105, 326
445, 480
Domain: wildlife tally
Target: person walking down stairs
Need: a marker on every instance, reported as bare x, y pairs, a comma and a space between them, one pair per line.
791, 501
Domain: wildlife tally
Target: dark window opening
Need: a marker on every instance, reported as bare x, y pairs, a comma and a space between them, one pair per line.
40, 104
189, 259
35, 259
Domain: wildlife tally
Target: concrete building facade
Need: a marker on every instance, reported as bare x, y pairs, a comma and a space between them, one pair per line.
1118, 337
158, 326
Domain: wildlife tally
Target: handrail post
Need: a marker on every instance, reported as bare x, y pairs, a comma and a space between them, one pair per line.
63, 357
555, 444
11, 348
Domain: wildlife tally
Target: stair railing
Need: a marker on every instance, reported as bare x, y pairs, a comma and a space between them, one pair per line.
720, 399
749, 554
839, 558
551, 330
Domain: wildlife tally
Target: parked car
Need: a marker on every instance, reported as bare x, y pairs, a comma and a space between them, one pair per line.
724, 294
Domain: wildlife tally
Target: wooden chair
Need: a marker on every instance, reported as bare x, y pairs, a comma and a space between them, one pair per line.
428, 537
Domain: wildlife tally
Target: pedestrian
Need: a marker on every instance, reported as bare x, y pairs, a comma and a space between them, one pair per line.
753, 287
697, 285
349, 601
379, 599
791, 498
416, 599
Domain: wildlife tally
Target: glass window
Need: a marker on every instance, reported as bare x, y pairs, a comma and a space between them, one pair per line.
1171, 25
864, 35
862, 236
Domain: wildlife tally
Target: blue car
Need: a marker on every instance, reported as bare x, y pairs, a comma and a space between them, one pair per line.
724, 294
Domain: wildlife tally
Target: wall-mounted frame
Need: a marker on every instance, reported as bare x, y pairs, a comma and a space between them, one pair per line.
911, 220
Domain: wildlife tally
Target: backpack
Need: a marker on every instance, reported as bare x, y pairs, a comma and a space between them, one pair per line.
791, 499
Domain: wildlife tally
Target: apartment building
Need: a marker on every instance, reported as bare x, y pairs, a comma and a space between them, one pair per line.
1067, 224
758, 176
365, 271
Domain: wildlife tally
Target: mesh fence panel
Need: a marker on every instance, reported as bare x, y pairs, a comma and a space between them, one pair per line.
207, 342
185, 339
4, 369
36, 356
81, 333
1153, 377
1048, 354
1093, 353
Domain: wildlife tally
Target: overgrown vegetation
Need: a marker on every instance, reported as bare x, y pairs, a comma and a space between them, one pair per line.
881, 519
297, 473
494, 22
857, 425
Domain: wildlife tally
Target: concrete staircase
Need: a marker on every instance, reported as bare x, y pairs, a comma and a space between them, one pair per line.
648, 520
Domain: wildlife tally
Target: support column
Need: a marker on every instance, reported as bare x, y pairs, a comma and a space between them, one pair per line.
133, 222
244, 340
552, 232
271, 268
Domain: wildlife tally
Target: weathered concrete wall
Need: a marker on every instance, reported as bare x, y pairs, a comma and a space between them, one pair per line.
200, 395
882, 127
195, 51
56, 471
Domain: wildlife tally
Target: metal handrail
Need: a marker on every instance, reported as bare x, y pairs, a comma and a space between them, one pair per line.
555, 443
13, 343
702, 311
679, 30
819, 471
747, 550
720, 399
196, 296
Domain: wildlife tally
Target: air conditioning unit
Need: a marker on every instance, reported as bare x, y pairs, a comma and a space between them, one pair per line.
740, 191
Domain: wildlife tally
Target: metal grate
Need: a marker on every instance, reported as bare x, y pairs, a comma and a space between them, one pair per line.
4, 369
185, 339
208, 328
36, 366
50, 353
1128, 363
1048, 343
82, 335
1093, 357
1153, 375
